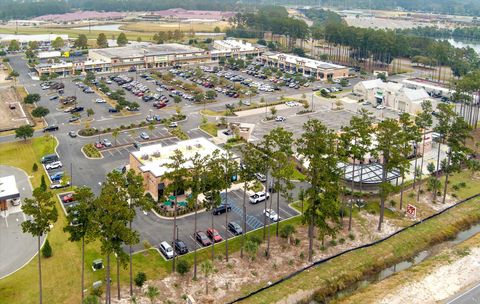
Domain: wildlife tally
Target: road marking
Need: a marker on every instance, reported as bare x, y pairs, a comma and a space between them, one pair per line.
285, 211
463, 294
6, 221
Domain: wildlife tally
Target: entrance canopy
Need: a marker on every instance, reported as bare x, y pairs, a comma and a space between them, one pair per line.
367, 173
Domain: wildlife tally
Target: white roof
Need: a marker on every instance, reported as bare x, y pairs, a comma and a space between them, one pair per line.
373, 84
8, 187
415, 95
393, 86
155, 157
310, 63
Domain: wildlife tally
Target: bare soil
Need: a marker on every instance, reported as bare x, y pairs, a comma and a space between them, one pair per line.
11, 118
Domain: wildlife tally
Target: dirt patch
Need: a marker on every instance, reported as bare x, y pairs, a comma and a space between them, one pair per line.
12, 114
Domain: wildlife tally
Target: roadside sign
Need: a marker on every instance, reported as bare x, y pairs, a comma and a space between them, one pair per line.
411, 211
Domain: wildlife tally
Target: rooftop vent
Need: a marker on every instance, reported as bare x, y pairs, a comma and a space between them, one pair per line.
145, 156
156, 154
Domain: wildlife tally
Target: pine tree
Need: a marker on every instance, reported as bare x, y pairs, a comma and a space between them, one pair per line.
47, 249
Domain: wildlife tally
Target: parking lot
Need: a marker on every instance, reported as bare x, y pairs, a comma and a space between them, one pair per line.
156, 230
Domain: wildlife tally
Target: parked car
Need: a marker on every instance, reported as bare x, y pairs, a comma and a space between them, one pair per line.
136, 145
166, 249
202, 238
98, 145
235, 228
100, 100
72, 134
56, 177
54, 165
214, 235
380, 107
173, 124
180, 247
261, 177
259, 197
59, 185
271, 214
144, 136
112, 110
54, 97
106, 142
50, 128
280, 119
67, 198
221, 209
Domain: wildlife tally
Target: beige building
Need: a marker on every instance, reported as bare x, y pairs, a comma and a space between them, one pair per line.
308, 67
391, 94
147, 56
150, 161
232, 48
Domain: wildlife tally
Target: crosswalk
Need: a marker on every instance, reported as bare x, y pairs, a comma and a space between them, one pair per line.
252, 221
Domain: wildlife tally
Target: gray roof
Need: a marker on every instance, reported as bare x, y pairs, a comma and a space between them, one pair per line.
142, 49
367, 173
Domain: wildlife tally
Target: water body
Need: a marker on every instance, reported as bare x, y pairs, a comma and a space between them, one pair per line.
104, 27
461, 44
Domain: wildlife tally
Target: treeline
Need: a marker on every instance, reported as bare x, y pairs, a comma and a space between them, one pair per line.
10, 9
385, 45
321, 17
273, 19
453, 7
20, 10
465, 33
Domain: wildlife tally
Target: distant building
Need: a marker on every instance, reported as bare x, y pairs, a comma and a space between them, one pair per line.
231, 48
182, 14
391, 94
308, 67
81, 16
150, 161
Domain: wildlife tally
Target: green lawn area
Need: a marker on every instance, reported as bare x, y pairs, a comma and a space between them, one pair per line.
213, 113
210, 127
338, 273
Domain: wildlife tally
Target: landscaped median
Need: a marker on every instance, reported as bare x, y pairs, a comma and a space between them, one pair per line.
91, 152
338, 273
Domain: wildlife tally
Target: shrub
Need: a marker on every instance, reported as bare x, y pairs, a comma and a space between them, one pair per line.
351, 236
140, 279
341, 241
183, 267
47, 250
255, 239
96, 292
462, 185
35, 167
333, 243
323, 248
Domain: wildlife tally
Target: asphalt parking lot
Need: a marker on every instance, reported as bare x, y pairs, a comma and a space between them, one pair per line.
155, 230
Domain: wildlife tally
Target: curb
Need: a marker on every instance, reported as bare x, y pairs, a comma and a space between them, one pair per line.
91, 158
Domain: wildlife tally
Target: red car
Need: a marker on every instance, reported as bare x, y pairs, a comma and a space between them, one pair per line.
98, 145
159, 105
214, 235
68, 198
202, 238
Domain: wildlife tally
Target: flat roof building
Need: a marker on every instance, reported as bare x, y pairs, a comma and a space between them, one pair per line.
148, 55
308, 67
8, 191
151, 161
232, 48
44, 40
391, 94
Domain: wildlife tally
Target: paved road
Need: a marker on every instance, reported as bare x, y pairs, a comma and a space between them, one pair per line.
471, 296
16, 247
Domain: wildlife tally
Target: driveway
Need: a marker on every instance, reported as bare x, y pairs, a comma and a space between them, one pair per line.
16, 247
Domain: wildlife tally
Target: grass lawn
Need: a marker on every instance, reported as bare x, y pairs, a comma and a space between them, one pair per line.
338, 273
210, 127
172, 26
213, 113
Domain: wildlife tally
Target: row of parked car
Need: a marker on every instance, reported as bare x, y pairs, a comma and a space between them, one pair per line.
52, 162
204, 238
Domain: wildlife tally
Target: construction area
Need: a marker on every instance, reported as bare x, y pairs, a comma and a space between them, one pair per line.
12, 115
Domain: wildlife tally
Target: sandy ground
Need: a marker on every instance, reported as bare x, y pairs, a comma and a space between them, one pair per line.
11, 118
435, 286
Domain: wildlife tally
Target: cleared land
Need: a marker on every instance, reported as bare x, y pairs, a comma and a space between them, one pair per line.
12, 114
171, 26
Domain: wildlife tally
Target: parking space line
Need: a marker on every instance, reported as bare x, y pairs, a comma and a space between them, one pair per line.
195, 241
285, 211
